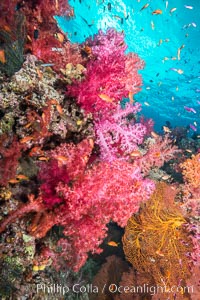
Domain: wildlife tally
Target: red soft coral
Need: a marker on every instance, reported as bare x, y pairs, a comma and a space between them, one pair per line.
110, 74
10, 152
96, 194
50, 174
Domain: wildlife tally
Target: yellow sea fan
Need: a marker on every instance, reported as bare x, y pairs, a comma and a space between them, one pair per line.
155, 240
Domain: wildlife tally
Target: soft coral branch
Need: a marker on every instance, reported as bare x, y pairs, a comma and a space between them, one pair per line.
118, 134
79, 205
110, 74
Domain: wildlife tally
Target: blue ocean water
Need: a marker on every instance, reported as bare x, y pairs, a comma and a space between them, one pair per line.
170, 80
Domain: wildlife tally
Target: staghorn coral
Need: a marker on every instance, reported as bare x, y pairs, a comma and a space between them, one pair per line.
156, 240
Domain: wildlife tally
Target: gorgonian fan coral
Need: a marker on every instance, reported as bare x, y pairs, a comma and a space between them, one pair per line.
110, 75
157, 242
76, 199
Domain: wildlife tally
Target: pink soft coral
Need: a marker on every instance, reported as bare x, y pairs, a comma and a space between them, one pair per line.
106, 192
158, 152
110, 74
118, 134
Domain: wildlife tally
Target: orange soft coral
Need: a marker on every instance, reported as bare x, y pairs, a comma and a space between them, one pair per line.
191, 170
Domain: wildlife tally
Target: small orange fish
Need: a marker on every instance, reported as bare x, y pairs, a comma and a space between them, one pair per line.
79, 122
22, 177
53, 101
130, 95
179, 52
179, 71
152, 25
165, 177
36, 151
39, 73
117, 17
60, 37
29, 38
56, 4
173, 9
59, 109
166, 129
26, 139
135, 153
13, 181
39, 268
43, 158
105, 98
159, 253
188, 150
87, 50
27, 125
113, 244
7, 28
157, 12
145, 6
91, 142
2, 56
61, 159
154, 135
